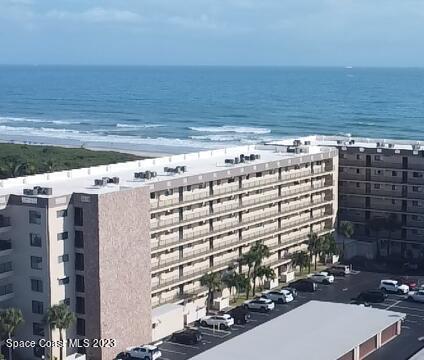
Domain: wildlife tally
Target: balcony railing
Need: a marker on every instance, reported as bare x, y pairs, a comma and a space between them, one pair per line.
255, 202
235, 189
232, 227
5, 245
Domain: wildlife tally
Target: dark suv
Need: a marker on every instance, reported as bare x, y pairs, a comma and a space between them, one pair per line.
372, 296
187, 336
240, 315
304, 285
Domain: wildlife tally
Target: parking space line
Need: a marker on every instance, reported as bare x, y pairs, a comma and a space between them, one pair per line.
261, 314
409, 308
183, 345
172, 351
215, 335
215, 331
394, 304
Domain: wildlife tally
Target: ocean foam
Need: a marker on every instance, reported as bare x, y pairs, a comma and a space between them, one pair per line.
230, 128
7, 119
139, 126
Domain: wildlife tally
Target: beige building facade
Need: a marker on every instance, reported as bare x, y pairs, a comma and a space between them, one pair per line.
115, 241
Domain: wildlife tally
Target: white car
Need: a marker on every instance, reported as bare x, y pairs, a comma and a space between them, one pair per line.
261, 304
322, 277
220, 321
145, 352
394, 286
417, 296
279, 296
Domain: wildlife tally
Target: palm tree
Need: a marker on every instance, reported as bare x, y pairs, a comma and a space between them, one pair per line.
264, 272
253, 259
328, 246
60, 317
261, 251
230, 281
10, 319
347, 229
301, 259
376, 225
314, 244
213, 281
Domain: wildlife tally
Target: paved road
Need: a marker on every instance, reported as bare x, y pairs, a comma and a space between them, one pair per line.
343, 290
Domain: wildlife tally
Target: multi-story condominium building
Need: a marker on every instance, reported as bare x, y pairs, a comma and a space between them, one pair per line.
116, 241
381, 179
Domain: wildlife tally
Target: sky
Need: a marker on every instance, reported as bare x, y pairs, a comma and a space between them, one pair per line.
213, 32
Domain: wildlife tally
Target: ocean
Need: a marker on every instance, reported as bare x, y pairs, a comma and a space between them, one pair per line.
179, 109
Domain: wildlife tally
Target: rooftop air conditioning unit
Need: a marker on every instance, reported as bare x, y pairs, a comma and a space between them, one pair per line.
139, 175
391, 146
28, 192
257, 156
416, 147
98, 182
352, 142
339, 142
297, 142
380, 144
252, 157
236, 160
307, 142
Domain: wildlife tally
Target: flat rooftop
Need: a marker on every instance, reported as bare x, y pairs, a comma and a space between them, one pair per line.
348, 141
316, 330
82, 180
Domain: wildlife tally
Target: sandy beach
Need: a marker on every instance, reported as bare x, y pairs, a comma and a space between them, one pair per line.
136, 149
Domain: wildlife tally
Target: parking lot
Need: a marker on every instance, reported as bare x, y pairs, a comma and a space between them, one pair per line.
343, 290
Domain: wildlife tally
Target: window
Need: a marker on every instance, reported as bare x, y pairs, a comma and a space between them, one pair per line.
394, 173
415, 217
79, 261
152, 195
34, 217
79, 239
188, 188
62, 236
36, 285
5, 267
80, 327
36, 262
37, 307
62, 213
415, 203
393, 202
64, 281
258, 174
377, 186
35, 239
416, 189
393, 187
358, 157
169, 192
39, 351
79, 283
80, 306
6, 289
342, 156
377, 158
78, 216
358, 185
378, 172
37, 329
63, 258
417, 174
358, 171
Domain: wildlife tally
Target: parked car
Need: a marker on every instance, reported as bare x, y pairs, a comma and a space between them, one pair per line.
145, 352
413, 284
187, 336
122, 356
372, 296
304, 285
292, 290
322, 278
240, 315
221, 321
278, 296
338, 270
260, 304
394, 286
417, 296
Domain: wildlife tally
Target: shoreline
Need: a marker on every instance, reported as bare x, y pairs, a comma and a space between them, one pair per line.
147, 151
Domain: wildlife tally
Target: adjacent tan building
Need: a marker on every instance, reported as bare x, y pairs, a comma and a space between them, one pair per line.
381, 179
115, 241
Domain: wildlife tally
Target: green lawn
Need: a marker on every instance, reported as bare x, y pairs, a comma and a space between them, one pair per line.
20, 160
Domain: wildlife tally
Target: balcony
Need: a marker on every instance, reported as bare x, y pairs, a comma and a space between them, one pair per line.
5, 247
5, 224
